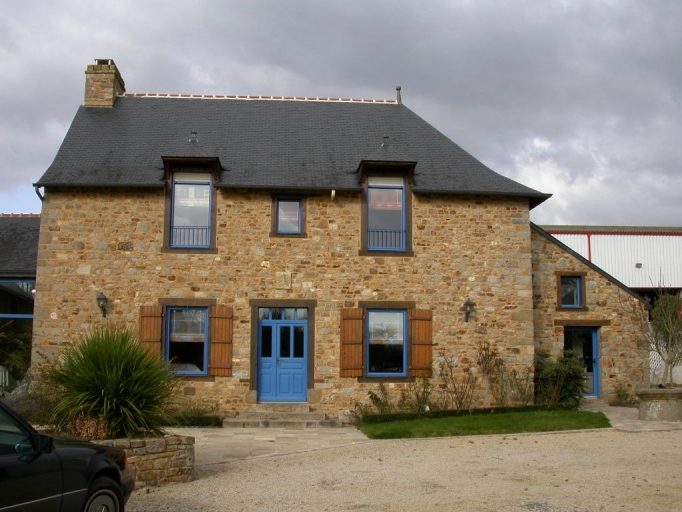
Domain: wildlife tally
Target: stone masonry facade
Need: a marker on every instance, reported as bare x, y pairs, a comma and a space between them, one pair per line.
110, 241
623, 352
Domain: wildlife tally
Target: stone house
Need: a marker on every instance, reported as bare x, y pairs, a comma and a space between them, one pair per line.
282, 249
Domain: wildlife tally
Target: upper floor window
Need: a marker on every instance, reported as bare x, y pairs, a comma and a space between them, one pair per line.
385, 213
571, 290
190, 225
288, 216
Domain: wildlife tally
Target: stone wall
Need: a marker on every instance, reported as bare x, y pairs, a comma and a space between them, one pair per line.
623, 350
160, 460
110, 241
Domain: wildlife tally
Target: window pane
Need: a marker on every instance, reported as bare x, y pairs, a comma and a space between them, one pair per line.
386, 350
276, 313
16, 297
187, 325
266, 341
386, 217
299, 339
302, 313
15, 350
187, 338
570, 291
285, 341
263, 313
191, 209
289, 314
288, 216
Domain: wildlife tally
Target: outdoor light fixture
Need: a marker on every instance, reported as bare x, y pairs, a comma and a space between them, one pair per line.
102, 303
468, 308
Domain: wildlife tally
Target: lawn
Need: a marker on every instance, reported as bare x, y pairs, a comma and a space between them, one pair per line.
482, 424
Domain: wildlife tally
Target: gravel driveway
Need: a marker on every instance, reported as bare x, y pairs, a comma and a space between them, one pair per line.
573, 471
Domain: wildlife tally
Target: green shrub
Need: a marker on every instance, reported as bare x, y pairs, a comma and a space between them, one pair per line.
110, 377
561, 381
194, 413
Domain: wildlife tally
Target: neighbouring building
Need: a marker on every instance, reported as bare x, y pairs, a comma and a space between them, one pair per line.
647, 259
282, 249
18, 252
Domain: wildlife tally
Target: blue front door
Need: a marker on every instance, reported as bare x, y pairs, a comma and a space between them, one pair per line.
584, 342
283, 354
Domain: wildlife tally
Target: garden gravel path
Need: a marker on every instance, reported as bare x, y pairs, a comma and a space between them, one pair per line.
572, 471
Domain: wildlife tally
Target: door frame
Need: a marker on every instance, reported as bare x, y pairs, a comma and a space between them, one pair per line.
254, 304
596, 365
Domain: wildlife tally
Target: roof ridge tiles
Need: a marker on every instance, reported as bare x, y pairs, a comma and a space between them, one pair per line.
29, 215
253, 97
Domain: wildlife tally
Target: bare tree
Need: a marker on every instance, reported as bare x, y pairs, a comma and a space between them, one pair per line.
664, 333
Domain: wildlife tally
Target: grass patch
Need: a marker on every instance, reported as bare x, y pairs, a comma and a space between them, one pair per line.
484, 424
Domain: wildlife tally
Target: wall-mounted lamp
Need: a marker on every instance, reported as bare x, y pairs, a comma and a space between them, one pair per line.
468, 308
102, 303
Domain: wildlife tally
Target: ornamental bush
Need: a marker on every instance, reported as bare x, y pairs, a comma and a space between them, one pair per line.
561, 381
111, 378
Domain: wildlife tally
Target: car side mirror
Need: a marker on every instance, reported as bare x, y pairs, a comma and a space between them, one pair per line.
45, 444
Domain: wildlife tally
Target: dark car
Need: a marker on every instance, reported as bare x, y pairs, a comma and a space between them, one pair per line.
45, 474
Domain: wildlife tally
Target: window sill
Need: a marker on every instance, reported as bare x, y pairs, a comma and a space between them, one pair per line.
288, 235
197, 378
404, 254
402, 378
565, 308
189, 250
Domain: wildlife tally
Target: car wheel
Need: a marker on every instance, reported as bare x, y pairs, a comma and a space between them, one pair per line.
104, 495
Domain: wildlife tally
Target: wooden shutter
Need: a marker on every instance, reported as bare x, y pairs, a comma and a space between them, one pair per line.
151, 328
221, 341
352, 333
421, 343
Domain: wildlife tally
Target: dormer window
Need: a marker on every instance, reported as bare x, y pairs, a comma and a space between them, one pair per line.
191, 217
386, 215
190, 207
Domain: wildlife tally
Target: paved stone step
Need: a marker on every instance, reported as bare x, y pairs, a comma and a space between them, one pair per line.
280, 423
277, 415
283, 407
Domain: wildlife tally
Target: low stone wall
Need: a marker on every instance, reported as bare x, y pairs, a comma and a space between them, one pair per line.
158, 460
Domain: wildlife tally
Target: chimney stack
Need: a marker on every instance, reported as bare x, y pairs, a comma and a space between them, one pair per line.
102, 83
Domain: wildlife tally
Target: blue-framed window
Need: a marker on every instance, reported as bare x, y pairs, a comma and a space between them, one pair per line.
386, 339
16, 329
187, 339
386, 214
16, 298
191, 210
571, 291
289, 216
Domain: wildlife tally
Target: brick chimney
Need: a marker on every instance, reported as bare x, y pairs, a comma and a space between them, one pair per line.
102, 83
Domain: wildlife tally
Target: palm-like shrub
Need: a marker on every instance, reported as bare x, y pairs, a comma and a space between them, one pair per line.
110, 377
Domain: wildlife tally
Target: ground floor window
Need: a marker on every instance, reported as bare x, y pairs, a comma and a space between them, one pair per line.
187, 339
386, 340
386, 347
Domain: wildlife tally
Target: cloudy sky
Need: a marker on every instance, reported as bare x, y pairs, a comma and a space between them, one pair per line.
577, 98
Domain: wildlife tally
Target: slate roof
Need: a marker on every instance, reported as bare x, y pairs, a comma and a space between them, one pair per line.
19, 245
271, 144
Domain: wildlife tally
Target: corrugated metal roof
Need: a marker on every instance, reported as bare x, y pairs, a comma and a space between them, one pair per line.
640, 257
